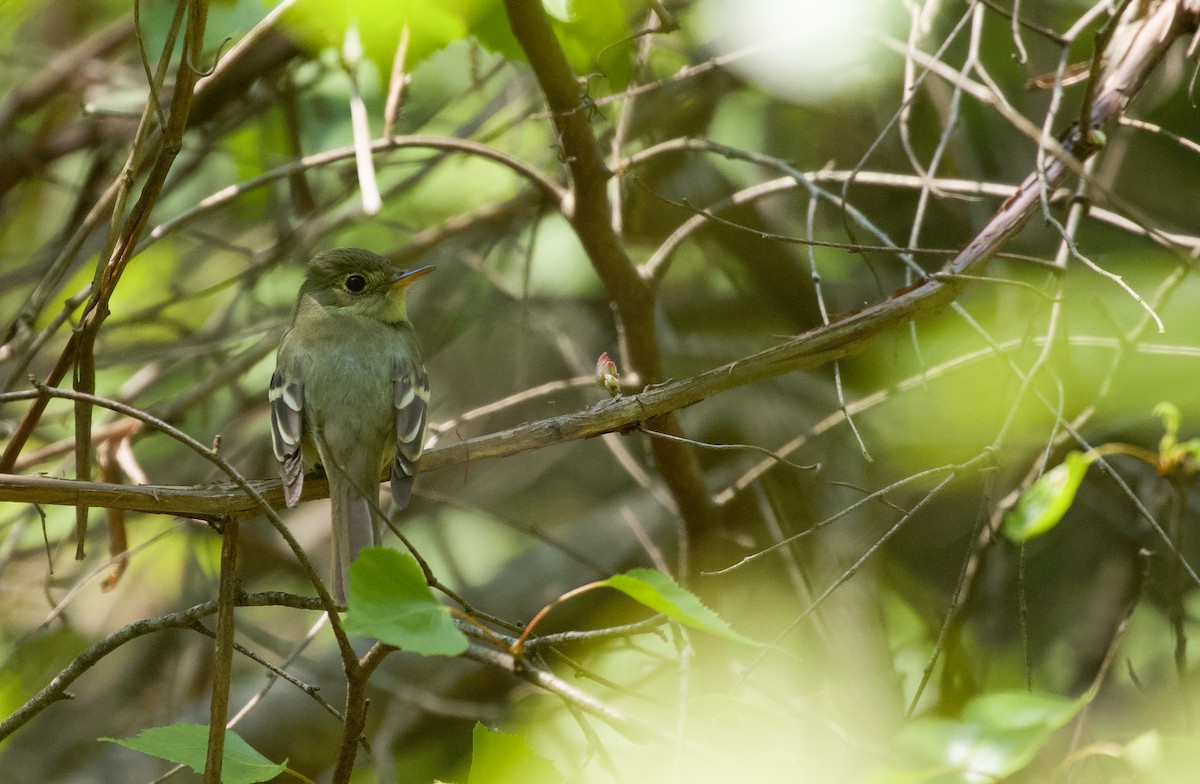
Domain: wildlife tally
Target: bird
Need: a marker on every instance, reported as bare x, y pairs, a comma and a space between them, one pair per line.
350, 394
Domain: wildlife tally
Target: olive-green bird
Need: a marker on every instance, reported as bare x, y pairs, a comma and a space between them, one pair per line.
349, 393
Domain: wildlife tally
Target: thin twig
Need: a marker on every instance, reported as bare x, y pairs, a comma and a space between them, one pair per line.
396, 85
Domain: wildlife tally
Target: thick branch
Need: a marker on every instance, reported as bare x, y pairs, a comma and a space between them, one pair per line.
589, 213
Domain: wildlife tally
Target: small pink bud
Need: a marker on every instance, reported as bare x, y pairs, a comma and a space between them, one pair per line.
607, 376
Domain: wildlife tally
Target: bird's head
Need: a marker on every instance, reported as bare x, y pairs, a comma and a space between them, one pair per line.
360, 282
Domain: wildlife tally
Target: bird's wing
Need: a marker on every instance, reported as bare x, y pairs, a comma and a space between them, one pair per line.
410, 396
287, 425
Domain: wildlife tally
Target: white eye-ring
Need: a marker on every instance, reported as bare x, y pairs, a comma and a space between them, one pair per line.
355, 284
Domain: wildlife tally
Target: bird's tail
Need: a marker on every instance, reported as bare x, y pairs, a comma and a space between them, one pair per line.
353, 529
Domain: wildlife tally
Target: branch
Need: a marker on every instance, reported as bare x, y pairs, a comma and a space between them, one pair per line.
119, 248
56, 689
590, 216
63, 73
222, 673
551, 189
570, 694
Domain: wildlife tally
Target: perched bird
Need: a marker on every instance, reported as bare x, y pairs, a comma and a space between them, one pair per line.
349, 393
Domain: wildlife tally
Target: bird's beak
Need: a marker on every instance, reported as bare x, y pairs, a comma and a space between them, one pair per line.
401, 278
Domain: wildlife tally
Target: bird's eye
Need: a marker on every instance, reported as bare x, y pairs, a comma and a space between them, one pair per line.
355, 284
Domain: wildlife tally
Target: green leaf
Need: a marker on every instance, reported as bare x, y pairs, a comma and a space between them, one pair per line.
998, 735
488, 23
596, 38
1171, 419
187, 744
1162, 759
660, 593
1043, 505
497, 758
390, 601
322, 24
1010, 710
951, 747
594, 35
